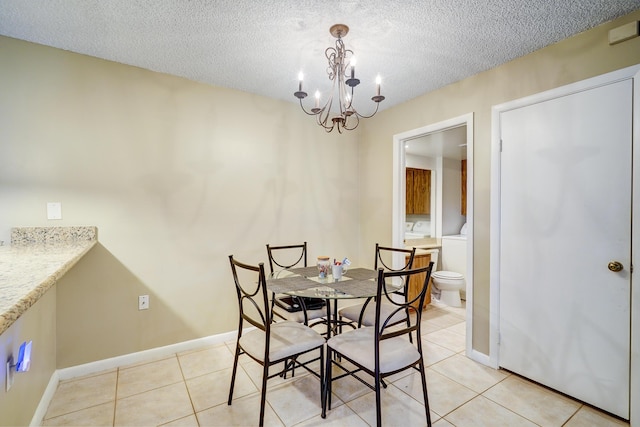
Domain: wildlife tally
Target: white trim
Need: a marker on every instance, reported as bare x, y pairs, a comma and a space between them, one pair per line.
634, 392
632, 72
398, 205
45, 400
119, 361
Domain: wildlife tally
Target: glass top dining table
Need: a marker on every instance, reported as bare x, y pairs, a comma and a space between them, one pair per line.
304, 282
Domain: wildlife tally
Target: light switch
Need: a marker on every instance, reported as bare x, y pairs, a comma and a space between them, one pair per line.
54, 210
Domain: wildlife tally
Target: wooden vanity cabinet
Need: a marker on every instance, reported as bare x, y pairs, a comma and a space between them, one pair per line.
420, 260
418, 191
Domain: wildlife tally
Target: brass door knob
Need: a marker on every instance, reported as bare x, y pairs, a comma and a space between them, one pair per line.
615, 266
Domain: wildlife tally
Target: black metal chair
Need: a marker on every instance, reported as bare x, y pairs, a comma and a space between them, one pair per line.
363, 314
383, 349
285, 257
269, 343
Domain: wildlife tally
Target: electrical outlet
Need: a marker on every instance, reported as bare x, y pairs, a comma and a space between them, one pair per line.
143, 302
54, 210
9, 373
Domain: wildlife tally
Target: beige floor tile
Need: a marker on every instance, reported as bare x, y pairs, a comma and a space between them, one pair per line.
243, 412
188, 421
442, 423
428, 327
195, 363
482, 412
212, 389
339, 416
155, 407
82, 393
296, 401
145, 377
397, 409
100, 415
444, 394
460, 328
536, 403
254, 370
434, 353
348, 388
587, 416
469, 373
441, 318
445, 338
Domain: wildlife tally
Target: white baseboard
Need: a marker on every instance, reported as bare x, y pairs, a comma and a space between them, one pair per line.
118, 361
41, 410
481, 358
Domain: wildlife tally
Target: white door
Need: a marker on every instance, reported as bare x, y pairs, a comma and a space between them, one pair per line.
565, 215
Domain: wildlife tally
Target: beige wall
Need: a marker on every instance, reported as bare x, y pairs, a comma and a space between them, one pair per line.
18, 405
176, 175
577, 58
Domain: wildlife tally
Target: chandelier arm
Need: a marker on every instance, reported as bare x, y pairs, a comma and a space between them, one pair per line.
357, 122
366, 117
311, 113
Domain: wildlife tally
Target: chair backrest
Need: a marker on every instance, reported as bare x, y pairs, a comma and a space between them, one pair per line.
384, 258
251, 289
288, 256
383, 325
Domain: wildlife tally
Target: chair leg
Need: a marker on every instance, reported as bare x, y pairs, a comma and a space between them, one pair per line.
378, 403
424, 392
263, 392
323, 384
326, 395
233, 374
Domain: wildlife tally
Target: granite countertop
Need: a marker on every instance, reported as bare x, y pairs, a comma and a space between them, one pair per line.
35, 260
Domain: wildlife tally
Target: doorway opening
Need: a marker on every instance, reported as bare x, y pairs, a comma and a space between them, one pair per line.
432, 139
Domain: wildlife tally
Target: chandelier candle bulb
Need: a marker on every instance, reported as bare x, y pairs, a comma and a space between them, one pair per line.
317, 99
378, 81
300, 76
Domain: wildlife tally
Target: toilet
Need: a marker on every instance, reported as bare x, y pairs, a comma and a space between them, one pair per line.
448, 284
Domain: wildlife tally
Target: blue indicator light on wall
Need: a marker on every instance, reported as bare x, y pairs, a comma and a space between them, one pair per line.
24, 357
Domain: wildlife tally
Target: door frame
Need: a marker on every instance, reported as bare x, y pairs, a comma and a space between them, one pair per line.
399, 200
632, 72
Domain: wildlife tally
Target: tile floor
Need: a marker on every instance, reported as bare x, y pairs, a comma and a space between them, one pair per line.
190, 389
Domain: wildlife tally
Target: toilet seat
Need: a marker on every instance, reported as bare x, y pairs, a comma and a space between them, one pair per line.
447, 275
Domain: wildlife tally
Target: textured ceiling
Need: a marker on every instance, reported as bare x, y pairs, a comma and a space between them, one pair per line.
259, 46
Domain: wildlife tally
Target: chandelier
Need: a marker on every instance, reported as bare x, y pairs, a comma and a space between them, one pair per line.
341, 71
